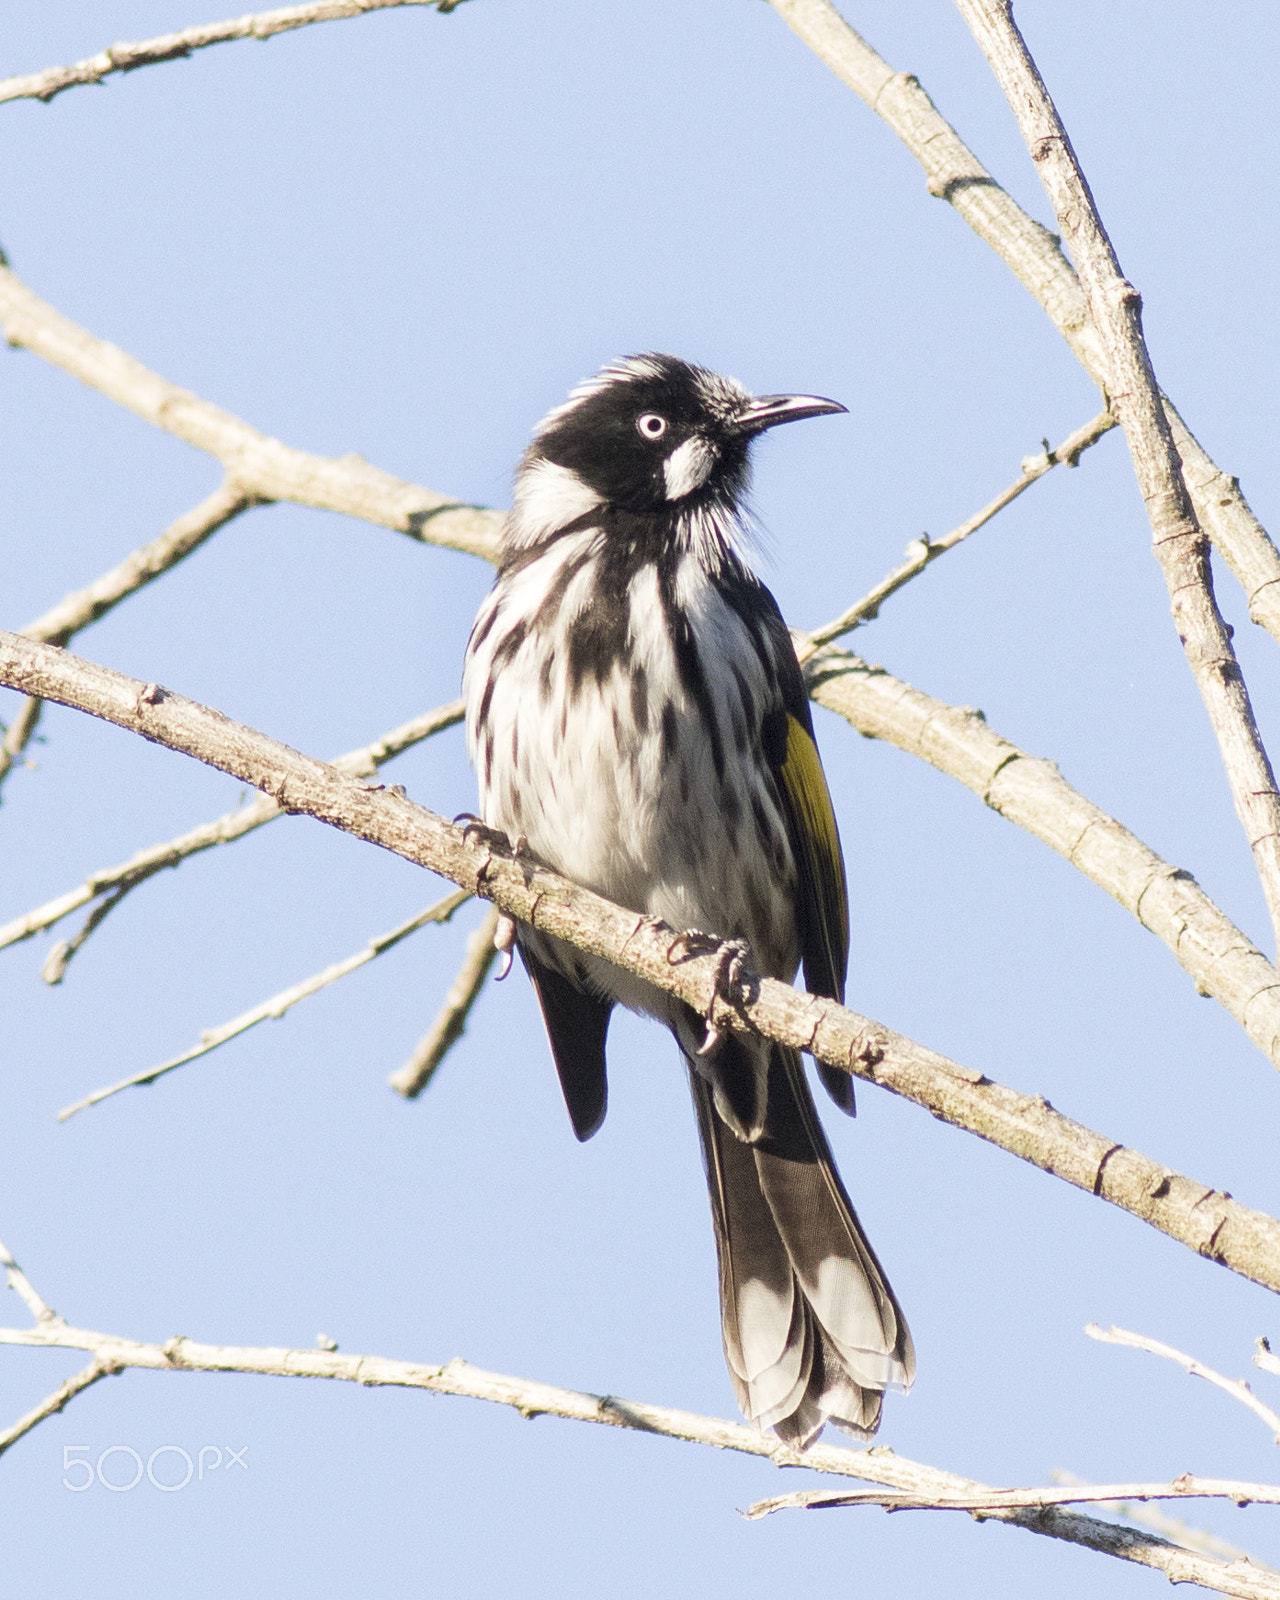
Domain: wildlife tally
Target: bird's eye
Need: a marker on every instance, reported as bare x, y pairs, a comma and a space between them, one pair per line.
651, 425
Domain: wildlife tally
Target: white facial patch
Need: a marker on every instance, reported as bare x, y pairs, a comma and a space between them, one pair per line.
548, 497
688, 467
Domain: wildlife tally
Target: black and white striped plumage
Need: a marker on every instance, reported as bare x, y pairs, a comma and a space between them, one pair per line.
635, 713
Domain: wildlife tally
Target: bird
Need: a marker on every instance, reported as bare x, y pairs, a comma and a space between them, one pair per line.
638, 722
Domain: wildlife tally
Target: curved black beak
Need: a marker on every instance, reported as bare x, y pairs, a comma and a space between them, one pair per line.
768, 410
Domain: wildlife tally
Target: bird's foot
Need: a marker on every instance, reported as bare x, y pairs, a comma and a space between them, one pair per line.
731, 956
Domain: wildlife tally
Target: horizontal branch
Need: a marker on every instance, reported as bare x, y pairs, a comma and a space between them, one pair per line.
923, 552
175, 46
1176, 1529
1237, 1388
261, 466
1035, 257
531, 1399
232, 825
1211, 1223
273, 1009
1032, 793
1186, 1487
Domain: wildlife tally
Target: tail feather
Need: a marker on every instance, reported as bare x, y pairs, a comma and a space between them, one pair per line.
812, 1331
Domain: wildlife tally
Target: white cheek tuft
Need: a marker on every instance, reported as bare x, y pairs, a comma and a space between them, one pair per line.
688, 467
548, 497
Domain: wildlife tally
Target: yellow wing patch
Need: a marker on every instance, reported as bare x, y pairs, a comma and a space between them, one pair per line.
824, 917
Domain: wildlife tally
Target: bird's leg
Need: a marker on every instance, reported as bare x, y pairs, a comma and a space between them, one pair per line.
731, 955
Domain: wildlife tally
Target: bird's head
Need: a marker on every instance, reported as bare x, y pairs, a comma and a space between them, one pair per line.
650, 434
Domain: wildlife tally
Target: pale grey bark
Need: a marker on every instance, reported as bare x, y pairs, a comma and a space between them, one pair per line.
1212, 1223
1034, 255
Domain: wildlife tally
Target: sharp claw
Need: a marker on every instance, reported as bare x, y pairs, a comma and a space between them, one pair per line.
504, 938
711, 1040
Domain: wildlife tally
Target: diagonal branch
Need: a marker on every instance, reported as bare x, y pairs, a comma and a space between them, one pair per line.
232, 825
1237, 1388
1034, 255
533, 1399
1115, 310
1213, 1224
481, 952
274, 1008
1032, 793
1174, 1528
83, 606
922, 552
263, 467
175, 46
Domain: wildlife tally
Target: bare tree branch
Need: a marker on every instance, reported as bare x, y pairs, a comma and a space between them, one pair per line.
1034, 255
19, 734
1237, 1388
481, 952
17, 1280
909, 1478
232, 825
1186, 1487
1264, 1359
175, 46
1031, 792
1213, 1224
263, 467
78, 609
924, 551
52, 1404
278, 1004
1175, 1528
1115, 309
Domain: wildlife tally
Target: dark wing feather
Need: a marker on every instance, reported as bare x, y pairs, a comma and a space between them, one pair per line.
577, 1023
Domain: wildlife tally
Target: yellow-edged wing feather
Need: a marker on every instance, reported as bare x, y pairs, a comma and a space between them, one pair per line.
823, 909
824, 896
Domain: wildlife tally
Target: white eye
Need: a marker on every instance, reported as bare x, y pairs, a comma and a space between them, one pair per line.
651, 425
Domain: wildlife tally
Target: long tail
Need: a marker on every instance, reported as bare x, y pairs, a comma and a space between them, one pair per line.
812, 1331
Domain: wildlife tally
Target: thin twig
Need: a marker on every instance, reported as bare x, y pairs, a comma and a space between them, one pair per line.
1186, 1487
83, 606
1237, 1388
17, 1280
174, 46
1030, 791
1035, 257
19, 734
533, 1399
278, 1004
1263, 1357
232, 825
477, 962
262, 466
1175, 1528
77, 610
1115, 309
924, 551
1213, 1224
52, 1404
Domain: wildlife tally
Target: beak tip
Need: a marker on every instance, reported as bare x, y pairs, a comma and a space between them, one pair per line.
768, 410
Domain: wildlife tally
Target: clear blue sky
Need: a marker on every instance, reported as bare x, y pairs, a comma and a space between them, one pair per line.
408, 235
